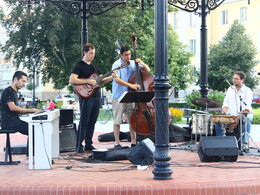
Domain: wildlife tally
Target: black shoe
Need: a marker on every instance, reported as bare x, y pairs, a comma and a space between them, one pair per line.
133, 145
89, 148
117, 146
80, 150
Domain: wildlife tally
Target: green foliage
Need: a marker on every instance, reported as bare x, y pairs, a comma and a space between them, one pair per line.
179, 58
256, 119
50, 43
40, 105
58, 104
54, 38
70, 88
255, 105
235, 52
177, 105
29, 86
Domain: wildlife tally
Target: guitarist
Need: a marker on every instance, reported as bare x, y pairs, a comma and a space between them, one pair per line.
119, 86
89, 108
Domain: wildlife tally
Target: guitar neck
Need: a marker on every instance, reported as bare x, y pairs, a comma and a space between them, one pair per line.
99, 79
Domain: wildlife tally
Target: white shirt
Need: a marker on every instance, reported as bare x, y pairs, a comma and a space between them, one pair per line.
235, 99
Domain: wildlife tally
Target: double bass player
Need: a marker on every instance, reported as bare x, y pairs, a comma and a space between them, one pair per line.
121, 84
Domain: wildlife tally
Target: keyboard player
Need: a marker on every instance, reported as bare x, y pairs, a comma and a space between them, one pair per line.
10, 110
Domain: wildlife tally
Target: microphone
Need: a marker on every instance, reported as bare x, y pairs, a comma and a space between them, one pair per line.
226, 76
228, 83
241, 100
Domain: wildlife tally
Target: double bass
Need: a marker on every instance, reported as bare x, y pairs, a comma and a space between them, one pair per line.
143, 117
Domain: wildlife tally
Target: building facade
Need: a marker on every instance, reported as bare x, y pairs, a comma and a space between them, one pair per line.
188, 25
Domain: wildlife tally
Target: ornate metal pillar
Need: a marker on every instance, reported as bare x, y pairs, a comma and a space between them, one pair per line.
204, 53
162, 170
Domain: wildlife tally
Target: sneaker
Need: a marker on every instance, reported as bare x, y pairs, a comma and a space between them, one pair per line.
117, 146
89, 148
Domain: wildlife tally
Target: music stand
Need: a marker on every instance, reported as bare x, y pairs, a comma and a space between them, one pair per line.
137, 97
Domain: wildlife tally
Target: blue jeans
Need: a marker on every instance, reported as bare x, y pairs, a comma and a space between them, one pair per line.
89, 109
245, 137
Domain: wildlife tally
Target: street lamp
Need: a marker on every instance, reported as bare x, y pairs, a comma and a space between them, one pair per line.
202, 8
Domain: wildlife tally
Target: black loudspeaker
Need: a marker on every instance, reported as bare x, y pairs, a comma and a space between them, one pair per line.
68, 138
142, 153
218, 148
66, 116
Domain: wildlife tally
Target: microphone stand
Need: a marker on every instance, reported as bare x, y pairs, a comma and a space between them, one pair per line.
241, 124
240, 121
245, 134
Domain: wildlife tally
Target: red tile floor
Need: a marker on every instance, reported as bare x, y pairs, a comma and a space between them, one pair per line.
190, 175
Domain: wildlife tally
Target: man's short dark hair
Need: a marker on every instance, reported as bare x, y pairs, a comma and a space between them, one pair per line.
124, 49
241, 74
18, 74
87, 47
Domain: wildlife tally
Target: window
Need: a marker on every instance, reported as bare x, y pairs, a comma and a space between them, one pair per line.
224, 17
192, 20
193, 46
243, 14
176, 21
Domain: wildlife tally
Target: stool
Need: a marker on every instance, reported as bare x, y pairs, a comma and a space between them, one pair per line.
8, 149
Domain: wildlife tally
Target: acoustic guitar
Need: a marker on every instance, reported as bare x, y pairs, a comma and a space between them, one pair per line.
86, 91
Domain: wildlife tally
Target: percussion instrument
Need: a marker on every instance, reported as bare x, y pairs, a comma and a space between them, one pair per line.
225, 121
206, 103
201, 123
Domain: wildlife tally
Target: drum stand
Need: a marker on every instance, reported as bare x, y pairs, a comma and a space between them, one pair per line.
244, 147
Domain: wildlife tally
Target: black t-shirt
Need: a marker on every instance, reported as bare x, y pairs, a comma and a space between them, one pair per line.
84, 70
8, 95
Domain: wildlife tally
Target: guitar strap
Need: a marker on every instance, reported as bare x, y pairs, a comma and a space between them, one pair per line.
96, 68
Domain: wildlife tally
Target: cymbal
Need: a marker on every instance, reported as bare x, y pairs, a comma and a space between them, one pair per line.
206, 102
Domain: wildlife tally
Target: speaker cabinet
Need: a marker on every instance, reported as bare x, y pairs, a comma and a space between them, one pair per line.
218, 148
19, 149
66, 116
68, 138
142, 153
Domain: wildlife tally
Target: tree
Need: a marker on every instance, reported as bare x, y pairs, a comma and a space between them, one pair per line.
54, 38
235, 52
46, 38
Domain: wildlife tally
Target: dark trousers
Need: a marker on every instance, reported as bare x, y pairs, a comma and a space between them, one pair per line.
18, 126
89, 109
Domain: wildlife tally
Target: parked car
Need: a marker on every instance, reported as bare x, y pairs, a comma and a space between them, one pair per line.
66, 97
256, 99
